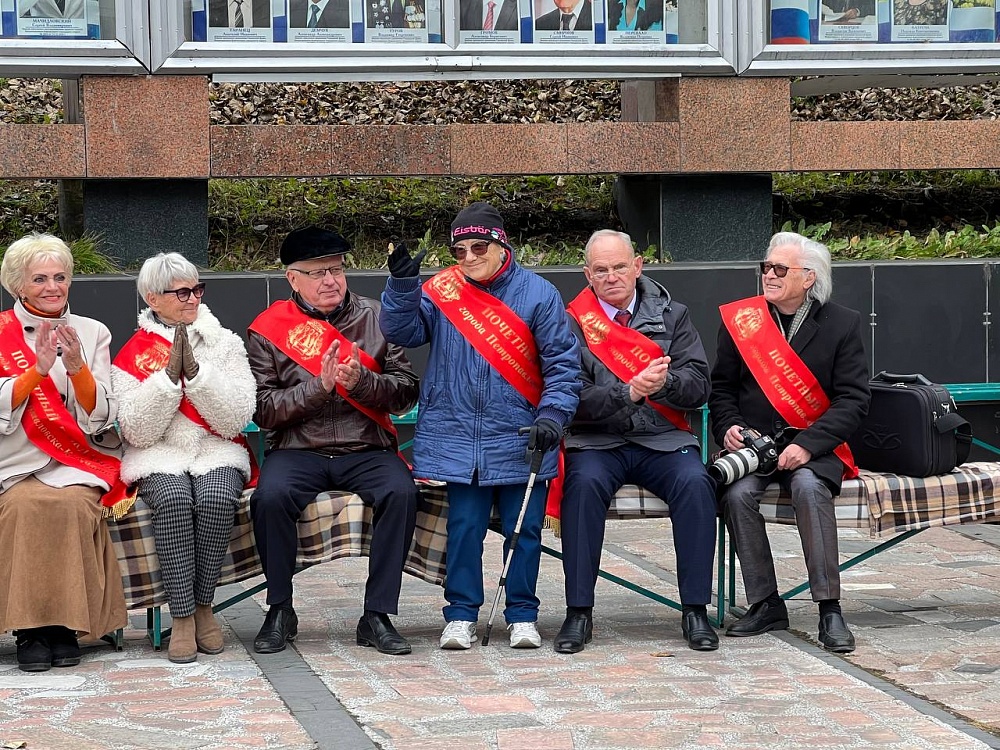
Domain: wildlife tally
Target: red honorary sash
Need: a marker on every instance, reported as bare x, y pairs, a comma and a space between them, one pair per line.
51, 428
781, 374
305, 340
493, 329
621, 349
146, 353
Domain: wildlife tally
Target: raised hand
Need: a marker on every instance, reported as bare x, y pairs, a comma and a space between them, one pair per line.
189, 364
176, 362
401, 265
69, 343
328, 367
46, 348
349, 371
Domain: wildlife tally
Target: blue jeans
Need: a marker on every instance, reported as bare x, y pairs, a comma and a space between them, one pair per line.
469, 509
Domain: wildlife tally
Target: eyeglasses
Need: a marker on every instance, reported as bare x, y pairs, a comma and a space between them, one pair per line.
318, 273
478, 249
184, 293
780, 270
602, 273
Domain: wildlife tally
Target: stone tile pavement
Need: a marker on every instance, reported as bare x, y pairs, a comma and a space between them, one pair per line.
925, 675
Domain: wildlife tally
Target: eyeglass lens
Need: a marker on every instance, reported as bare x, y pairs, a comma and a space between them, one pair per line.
184, 293
478, 249
603, 273
779, 270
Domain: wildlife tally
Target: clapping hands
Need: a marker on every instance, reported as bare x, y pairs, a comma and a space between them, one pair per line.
182, 361
333, 372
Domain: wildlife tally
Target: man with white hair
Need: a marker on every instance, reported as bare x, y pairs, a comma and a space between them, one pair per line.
791, 359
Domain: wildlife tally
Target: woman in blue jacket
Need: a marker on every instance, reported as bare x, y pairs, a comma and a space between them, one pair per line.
502, 357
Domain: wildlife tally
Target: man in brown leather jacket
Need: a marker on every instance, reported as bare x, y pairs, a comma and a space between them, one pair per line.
327, 381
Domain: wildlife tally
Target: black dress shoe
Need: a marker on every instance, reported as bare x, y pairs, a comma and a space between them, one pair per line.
834, 634
698, 631
576, 630
33, 652
376, 629
65, 648
760, 618
280, 625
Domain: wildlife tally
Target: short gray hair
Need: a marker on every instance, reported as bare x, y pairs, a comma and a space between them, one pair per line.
31, 249
161, 271
815, 257
601, 234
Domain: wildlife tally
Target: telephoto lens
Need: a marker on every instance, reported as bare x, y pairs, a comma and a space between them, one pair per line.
732, 466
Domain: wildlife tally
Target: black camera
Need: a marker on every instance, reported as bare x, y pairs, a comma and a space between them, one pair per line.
760, 455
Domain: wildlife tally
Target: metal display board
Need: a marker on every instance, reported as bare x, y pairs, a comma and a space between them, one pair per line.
868, 37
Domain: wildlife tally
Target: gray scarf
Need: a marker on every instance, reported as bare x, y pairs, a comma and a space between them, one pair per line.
800, 315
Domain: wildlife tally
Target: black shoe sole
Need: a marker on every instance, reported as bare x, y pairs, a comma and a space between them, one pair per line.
777, 625
69, 661
41, 666
268, 649
391, 652
844, 649
573, 648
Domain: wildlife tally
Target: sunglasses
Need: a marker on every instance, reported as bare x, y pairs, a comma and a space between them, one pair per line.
478, 249
184, 293
781, 271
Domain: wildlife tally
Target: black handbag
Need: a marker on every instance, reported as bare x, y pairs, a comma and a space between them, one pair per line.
913, 428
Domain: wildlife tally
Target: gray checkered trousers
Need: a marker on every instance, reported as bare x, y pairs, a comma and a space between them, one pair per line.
192, 523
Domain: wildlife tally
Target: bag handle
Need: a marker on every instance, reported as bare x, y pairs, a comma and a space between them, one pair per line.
891, 377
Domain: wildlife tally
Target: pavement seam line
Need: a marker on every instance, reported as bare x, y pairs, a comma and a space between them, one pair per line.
309, 700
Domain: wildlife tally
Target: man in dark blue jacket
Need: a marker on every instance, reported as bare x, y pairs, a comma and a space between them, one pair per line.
643, 366
502, 357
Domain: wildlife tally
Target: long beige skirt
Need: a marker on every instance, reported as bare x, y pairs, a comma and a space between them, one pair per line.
57, 562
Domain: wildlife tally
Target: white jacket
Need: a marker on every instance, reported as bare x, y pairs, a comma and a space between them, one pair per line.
161, 440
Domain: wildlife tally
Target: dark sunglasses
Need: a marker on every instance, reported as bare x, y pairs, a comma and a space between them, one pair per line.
781, 271
184, 293
478, 249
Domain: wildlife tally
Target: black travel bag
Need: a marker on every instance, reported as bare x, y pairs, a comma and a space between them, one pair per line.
912, 428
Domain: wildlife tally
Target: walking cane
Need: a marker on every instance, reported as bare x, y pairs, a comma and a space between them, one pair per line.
536, 465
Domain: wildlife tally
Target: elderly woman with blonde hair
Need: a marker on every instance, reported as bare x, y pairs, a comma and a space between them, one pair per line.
186, 394
59, 576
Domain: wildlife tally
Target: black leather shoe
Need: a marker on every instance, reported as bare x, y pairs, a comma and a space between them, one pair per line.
376, 629
33, 652
280, 625
760, 618
576, 630
698, 631
65, 648
834, 634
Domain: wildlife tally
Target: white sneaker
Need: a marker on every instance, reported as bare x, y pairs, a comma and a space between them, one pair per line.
458, 634
524, 635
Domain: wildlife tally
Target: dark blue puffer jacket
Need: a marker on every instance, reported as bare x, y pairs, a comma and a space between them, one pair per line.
469, 415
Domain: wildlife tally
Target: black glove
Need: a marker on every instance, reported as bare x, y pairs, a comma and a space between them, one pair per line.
401, 265
545, 435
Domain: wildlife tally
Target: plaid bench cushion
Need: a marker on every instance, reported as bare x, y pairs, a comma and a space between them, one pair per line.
633, 501
337, 525
882, 503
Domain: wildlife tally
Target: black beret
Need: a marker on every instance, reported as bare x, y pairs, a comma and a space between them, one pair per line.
312, 242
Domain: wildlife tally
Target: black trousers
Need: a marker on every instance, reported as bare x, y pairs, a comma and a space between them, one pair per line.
291, 479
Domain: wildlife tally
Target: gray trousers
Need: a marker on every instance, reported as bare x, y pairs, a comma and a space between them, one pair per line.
192, 522
815, 518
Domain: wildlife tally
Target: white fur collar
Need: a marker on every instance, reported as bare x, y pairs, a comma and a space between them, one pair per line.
205, 325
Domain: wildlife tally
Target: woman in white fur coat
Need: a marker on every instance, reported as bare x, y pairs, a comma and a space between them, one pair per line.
185, 392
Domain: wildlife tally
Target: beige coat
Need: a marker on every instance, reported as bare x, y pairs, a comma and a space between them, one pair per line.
19, 458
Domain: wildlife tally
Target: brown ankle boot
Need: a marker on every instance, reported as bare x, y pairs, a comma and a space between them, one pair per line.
208, 634
182, 649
